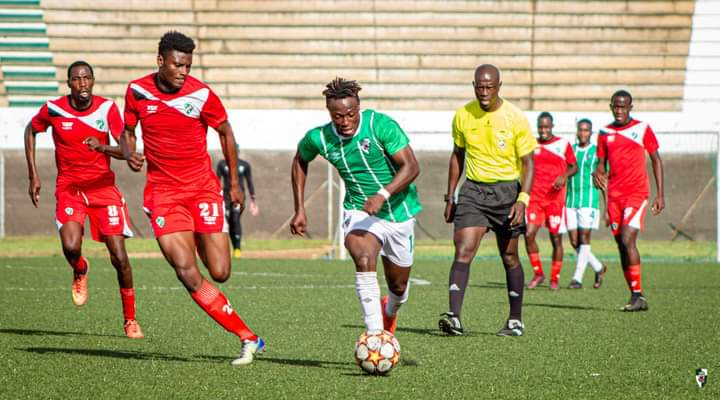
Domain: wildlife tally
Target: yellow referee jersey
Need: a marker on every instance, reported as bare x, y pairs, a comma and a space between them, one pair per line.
494, 141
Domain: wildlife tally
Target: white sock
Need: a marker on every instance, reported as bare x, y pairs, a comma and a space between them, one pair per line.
594, 262
368, 292
395, 301
582, 260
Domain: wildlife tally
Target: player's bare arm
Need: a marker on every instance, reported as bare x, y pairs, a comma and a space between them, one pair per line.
659, 202
457, 161
517, 212
600, 175
408, 170
229, 149
128, 143
33, 177
299, 172
561, 180
94, 144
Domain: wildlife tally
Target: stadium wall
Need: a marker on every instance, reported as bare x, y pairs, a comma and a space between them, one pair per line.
267, 139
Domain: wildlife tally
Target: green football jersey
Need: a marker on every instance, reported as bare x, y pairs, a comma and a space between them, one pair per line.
363, 162
581, 193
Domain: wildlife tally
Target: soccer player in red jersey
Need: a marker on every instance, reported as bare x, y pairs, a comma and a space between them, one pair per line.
554, 164
85, 185
184, 198
623, 144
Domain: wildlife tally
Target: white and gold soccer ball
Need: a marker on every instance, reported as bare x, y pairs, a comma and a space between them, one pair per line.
377, 352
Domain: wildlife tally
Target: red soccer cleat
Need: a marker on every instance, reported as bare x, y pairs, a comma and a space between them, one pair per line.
132, 329
79, 288
389, 323
554, 286
536, 280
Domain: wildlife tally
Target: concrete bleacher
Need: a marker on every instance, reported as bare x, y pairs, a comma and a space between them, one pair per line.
555, 55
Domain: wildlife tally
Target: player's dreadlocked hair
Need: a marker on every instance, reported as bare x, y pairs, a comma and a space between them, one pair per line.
545, 114
621, 93
80, 63
340, 88
174, 40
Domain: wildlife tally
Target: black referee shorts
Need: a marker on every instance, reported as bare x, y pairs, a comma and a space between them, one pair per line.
488, 205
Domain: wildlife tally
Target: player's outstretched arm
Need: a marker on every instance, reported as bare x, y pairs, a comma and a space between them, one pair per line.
407, 171
457, 161
33, 177
229, 149
128, 145
94, 144
659, 202
298, 175
517, 212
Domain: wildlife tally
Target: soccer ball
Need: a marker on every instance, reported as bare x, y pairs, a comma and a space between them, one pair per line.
377, 352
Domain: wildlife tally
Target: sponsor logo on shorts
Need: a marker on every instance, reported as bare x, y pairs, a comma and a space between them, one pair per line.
160, 221
532, 216
69, 211
614, 226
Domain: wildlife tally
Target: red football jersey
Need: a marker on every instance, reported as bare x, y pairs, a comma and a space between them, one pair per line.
624, 148
551, 160
77, 165
174, 131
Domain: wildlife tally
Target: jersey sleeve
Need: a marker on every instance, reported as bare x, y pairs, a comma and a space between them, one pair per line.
457, 134
525, 142
130, 113
602, 146
41, 120
570, 154
307, 148
115, 121
650, 140
213, 112
389, 133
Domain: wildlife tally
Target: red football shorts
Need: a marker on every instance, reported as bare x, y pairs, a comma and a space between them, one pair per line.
550, 214
105, 207
199, 211
627, 212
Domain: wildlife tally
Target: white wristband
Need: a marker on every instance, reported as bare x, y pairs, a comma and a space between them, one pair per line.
384, 193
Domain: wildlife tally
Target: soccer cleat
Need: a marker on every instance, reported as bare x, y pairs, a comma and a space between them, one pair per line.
237, 253
575, 285
599, 277
554, 286
536, 280
389, 323
638, 303
132, 329
248, 351
450, 324
513, 327
79, 289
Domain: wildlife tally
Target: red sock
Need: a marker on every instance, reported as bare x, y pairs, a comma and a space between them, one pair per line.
216, 305
555, 272
536, 264
80, 266
128, 302
633, 279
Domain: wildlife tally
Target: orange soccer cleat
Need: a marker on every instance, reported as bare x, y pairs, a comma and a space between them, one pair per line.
389, 323
132, 329
80, 286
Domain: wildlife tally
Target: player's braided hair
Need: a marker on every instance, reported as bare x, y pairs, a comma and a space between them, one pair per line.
545, 114
340, 88
585, 121
174, 40
80, 63
621, 93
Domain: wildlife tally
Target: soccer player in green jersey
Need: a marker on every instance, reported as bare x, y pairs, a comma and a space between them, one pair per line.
373, 157
582, 206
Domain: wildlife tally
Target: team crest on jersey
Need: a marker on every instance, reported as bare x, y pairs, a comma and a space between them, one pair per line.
365, 145
188, 108
100, 124
501, 144
69, 211
160, 221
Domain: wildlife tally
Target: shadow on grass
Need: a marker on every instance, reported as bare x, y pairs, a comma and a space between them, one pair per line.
434, 332
40, 332
491, 285
306, 363
128, 355
563, 306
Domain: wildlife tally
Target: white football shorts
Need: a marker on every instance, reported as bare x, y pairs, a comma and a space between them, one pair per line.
397, 238
582, 218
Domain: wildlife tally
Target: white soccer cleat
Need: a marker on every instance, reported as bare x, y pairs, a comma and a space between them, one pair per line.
248, 351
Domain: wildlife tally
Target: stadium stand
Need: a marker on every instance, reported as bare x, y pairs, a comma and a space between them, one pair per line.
417, 55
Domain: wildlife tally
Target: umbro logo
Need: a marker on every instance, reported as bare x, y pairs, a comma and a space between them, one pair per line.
152, 108
67, 125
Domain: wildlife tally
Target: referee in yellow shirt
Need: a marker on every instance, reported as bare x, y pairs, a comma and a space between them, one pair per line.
494, 143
